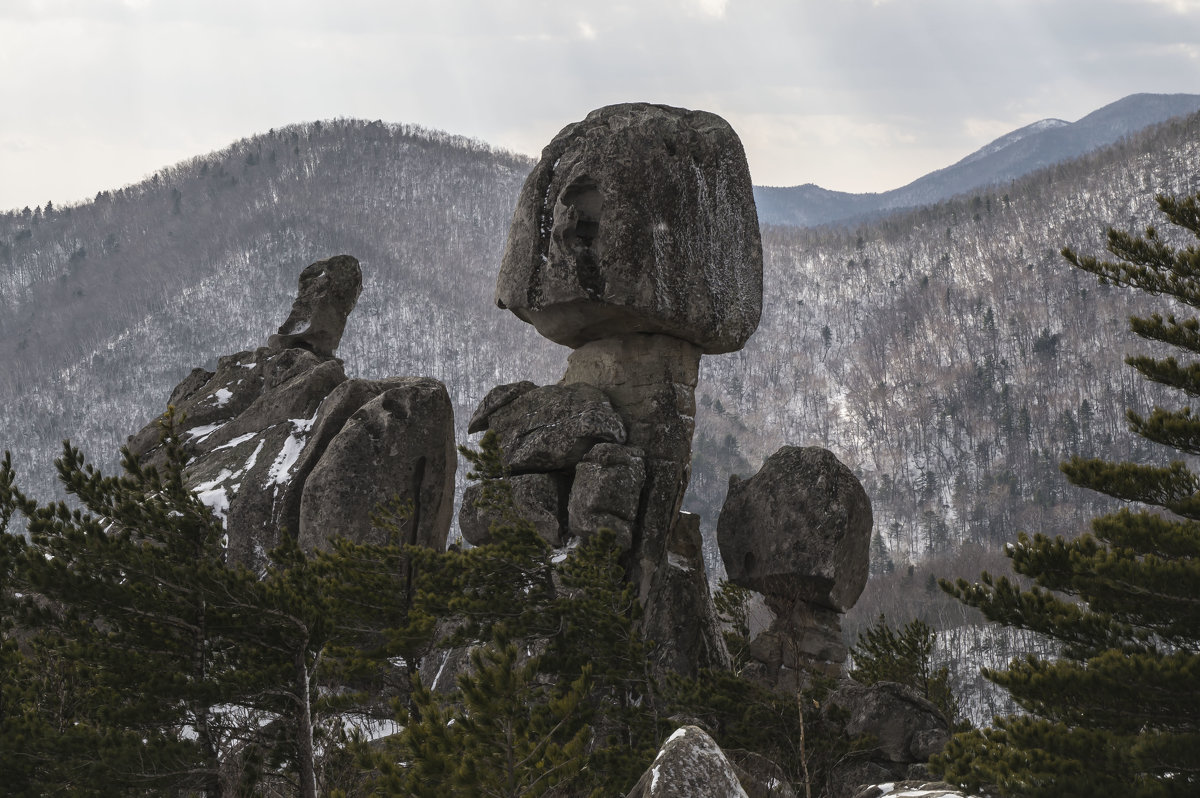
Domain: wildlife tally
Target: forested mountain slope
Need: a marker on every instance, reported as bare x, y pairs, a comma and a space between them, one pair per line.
946, 354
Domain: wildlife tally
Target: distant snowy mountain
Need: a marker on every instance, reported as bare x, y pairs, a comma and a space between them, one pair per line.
1013, 155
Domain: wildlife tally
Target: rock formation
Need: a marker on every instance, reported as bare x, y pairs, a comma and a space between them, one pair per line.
798, 532
635, 242
689, 765
279, 439
905, 728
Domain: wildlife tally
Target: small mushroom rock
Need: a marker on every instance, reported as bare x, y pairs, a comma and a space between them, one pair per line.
329, 290
638, 219
800, 528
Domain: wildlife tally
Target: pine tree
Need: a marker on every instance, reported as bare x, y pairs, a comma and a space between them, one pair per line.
1117, 711
883, 654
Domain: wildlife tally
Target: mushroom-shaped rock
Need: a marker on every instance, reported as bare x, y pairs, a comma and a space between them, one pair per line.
689, 765
640, 218
329, 290
401, 443
552, 427
800, 528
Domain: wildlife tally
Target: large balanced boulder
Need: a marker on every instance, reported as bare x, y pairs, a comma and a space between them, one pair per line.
638, 219
799, 528
329, 290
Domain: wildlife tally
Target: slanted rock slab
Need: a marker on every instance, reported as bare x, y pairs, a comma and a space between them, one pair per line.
552, 427
399, 444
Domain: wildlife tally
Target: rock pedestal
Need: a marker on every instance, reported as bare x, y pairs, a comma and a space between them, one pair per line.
798, 532
635, 242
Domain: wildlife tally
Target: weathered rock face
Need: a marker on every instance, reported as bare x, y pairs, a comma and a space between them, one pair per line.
638, 219
799, 527
907, 730
552, 427
798, 533
399, 444
605, 492
689, 765
538, 498
258, 428
329, 290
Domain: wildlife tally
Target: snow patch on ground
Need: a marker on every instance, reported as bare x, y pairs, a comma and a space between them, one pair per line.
222, 396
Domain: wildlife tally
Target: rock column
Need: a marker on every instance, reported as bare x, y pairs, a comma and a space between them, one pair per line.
635, 242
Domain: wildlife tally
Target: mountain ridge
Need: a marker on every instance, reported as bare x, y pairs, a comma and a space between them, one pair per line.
1013, 155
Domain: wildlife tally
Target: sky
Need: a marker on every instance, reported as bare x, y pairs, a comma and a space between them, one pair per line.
853, 95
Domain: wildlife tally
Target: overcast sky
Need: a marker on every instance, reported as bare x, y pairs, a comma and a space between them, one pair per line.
854, 95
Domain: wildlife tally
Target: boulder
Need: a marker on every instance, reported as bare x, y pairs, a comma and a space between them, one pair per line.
552, 427
689, 765
606, 492
798, 529
907, 728
329, 290
640, 218
399, 444
537, 498
496, 398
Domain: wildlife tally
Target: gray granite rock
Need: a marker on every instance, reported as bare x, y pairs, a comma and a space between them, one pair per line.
399, 444
537, 498
689, 765
552, 427
496, 398
606, 492
640, 218
799, 528
329, 290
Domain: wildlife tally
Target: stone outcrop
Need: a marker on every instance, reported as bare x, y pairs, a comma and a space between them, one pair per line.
635, 242
689, 765
329, 290
552, 427
400, 445
271, 426
906, 729
798, 532
638, 219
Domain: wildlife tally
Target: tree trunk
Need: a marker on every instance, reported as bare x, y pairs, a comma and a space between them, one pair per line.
305, 755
